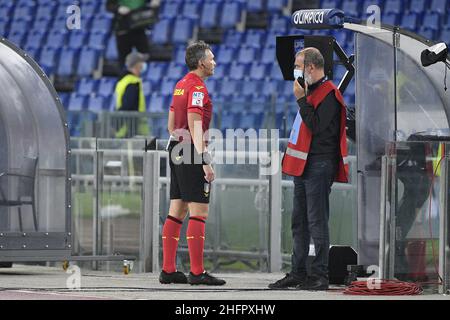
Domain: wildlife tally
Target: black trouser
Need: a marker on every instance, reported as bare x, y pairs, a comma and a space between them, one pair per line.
310, 217
132, 39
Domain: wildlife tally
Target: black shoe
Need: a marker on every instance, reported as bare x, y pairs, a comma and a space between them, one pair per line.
314, 284
289, 281
174, 277
206, 279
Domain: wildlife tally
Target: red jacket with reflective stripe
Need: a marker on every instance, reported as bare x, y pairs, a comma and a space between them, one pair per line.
296, 155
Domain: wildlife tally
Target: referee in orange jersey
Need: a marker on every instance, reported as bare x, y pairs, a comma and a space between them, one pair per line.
191, 172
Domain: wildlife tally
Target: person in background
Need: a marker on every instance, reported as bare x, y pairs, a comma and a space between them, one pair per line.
130, 96
127, 36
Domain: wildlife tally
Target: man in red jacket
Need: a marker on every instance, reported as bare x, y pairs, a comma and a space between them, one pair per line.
316, 156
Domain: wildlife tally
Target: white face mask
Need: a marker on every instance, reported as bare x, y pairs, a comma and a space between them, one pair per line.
298, 74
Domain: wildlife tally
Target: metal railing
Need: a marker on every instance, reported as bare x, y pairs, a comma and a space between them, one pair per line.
125, 170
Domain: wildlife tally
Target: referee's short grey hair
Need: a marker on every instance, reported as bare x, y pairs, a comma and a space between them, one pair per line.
312, 57
195, 53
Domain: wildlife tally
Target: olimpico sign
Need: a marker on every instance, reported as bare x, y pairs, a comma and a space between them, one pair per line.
307, 17
318, 19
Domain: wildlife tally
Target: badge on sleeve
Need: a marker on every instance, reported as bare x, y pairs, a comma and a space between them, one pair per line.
197, 99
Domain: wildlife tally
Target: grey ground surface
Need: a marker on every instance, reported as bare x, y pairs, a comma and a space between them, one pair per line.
50, 283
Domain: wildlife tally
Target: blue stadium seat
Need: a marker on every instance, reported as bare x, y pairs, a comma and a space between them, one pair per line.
390, 19
228, 121
228, 87
64, 98
251, 87
96, 40
209, 16
157, 103
233, 38
409, 21
180, 53
340, 36
445, 35
182, 31
101, 23
86, 86
250, 120
417, 6
45, 11
35, 39
271, 38
96, 103
19, 25
106, 86
167, 86
76, 102
76, 39
246, 55
59, 24
88, 62
393, 6
111, 52
280, 23
439, 6
4, 10
17, 37
47, 59
161, 31
256, 6
427, 33
88, 9
156, 70
66, 63
22, 11
60, 11
351, 8
275, 72
269, 88
431, 21
34, 53
41, 24
258, 71
286, 88
231, 15
175, 71
191, 10
368, 3
274, 6
237, 71
211, 84
170, 9
147, 87
268, 55
330, 4
221, 70
254, 39
56, 39
225, 55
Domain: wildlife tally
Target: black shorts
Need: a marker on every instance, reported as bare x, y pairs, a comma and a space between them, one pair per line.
187, 179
